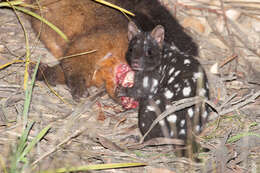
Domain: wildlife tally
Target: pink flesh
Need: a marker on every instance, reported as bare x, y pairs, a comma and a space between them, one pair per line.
125, 78
129, 103
121, 73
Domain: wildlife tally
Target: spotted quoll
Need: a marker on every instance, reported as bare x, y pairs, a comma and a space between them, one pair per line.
164, 74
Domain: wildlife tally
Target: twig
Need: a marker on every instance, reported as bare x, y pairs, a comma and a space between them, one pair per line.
241, 104
74, 135
242, 37
226, 25
214, 31
199, 8
227, 100
227, 60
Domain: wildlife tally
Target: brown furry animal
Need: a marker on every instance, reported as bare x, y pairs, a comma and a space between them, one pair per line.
88, 26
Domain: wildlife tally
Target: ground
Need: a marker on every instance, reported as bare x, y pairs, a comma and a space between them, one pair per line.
98, 130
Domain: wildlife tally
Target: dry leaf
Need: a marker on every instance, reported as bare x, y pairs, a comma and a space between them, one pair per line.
194, 24
233, 14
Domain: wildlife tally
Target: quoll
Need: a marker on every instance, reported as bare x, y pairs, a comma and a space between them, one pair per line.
164, 74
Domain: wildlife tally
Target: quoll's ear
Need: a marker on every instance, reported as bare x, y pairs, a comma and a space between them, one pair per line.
158, 34
132, 30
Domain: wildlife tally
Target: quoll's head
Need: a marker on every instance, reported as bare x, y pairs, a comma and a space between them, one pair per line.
145, 48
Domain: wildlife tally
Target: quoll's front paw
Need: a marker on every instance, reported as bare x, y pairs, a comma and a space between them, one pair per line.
78, 88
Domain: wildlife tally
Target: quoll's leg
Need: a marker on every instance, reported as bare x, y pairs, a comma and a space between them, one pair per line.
149, 110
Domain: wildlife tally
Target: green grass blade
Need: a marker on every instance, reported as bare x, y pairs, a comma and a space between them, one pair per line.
20, 147
241, 135
34, 142
23, 138
10, 3
28, 95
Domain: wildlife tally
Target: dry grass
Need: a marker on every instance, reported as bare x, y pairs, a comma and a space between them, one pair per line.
99, 131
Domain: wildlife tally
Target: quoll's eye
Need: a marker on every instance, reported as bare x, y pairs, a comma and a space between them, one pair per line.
149, 52
130, 49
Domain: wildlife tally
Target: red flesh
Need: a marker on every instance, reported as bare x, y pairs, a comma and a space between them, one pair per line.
122, 79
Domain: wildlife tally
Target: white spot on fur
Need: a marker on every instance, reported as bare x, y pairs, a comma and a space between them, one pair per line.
186, 55
182, 132
171, 71
158, 102
162, 123
176, 85
173, 47
145, 82
170, 80
197, 75
186, 91
197, 128
168, 94
186, 81
177, 73
167, 106
150, 108
164, 67
171, 133
182, 123
155, 84
172, 118
205, 114
173, 60
143, 124
186, 61
207, 85
190, 112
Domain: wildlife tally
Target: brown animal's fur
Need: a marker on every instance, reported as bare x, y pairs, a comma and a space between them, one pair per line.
89, 26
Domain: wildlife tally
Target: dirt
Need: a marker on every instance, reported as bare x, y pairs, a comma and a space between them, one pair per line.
98, 130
